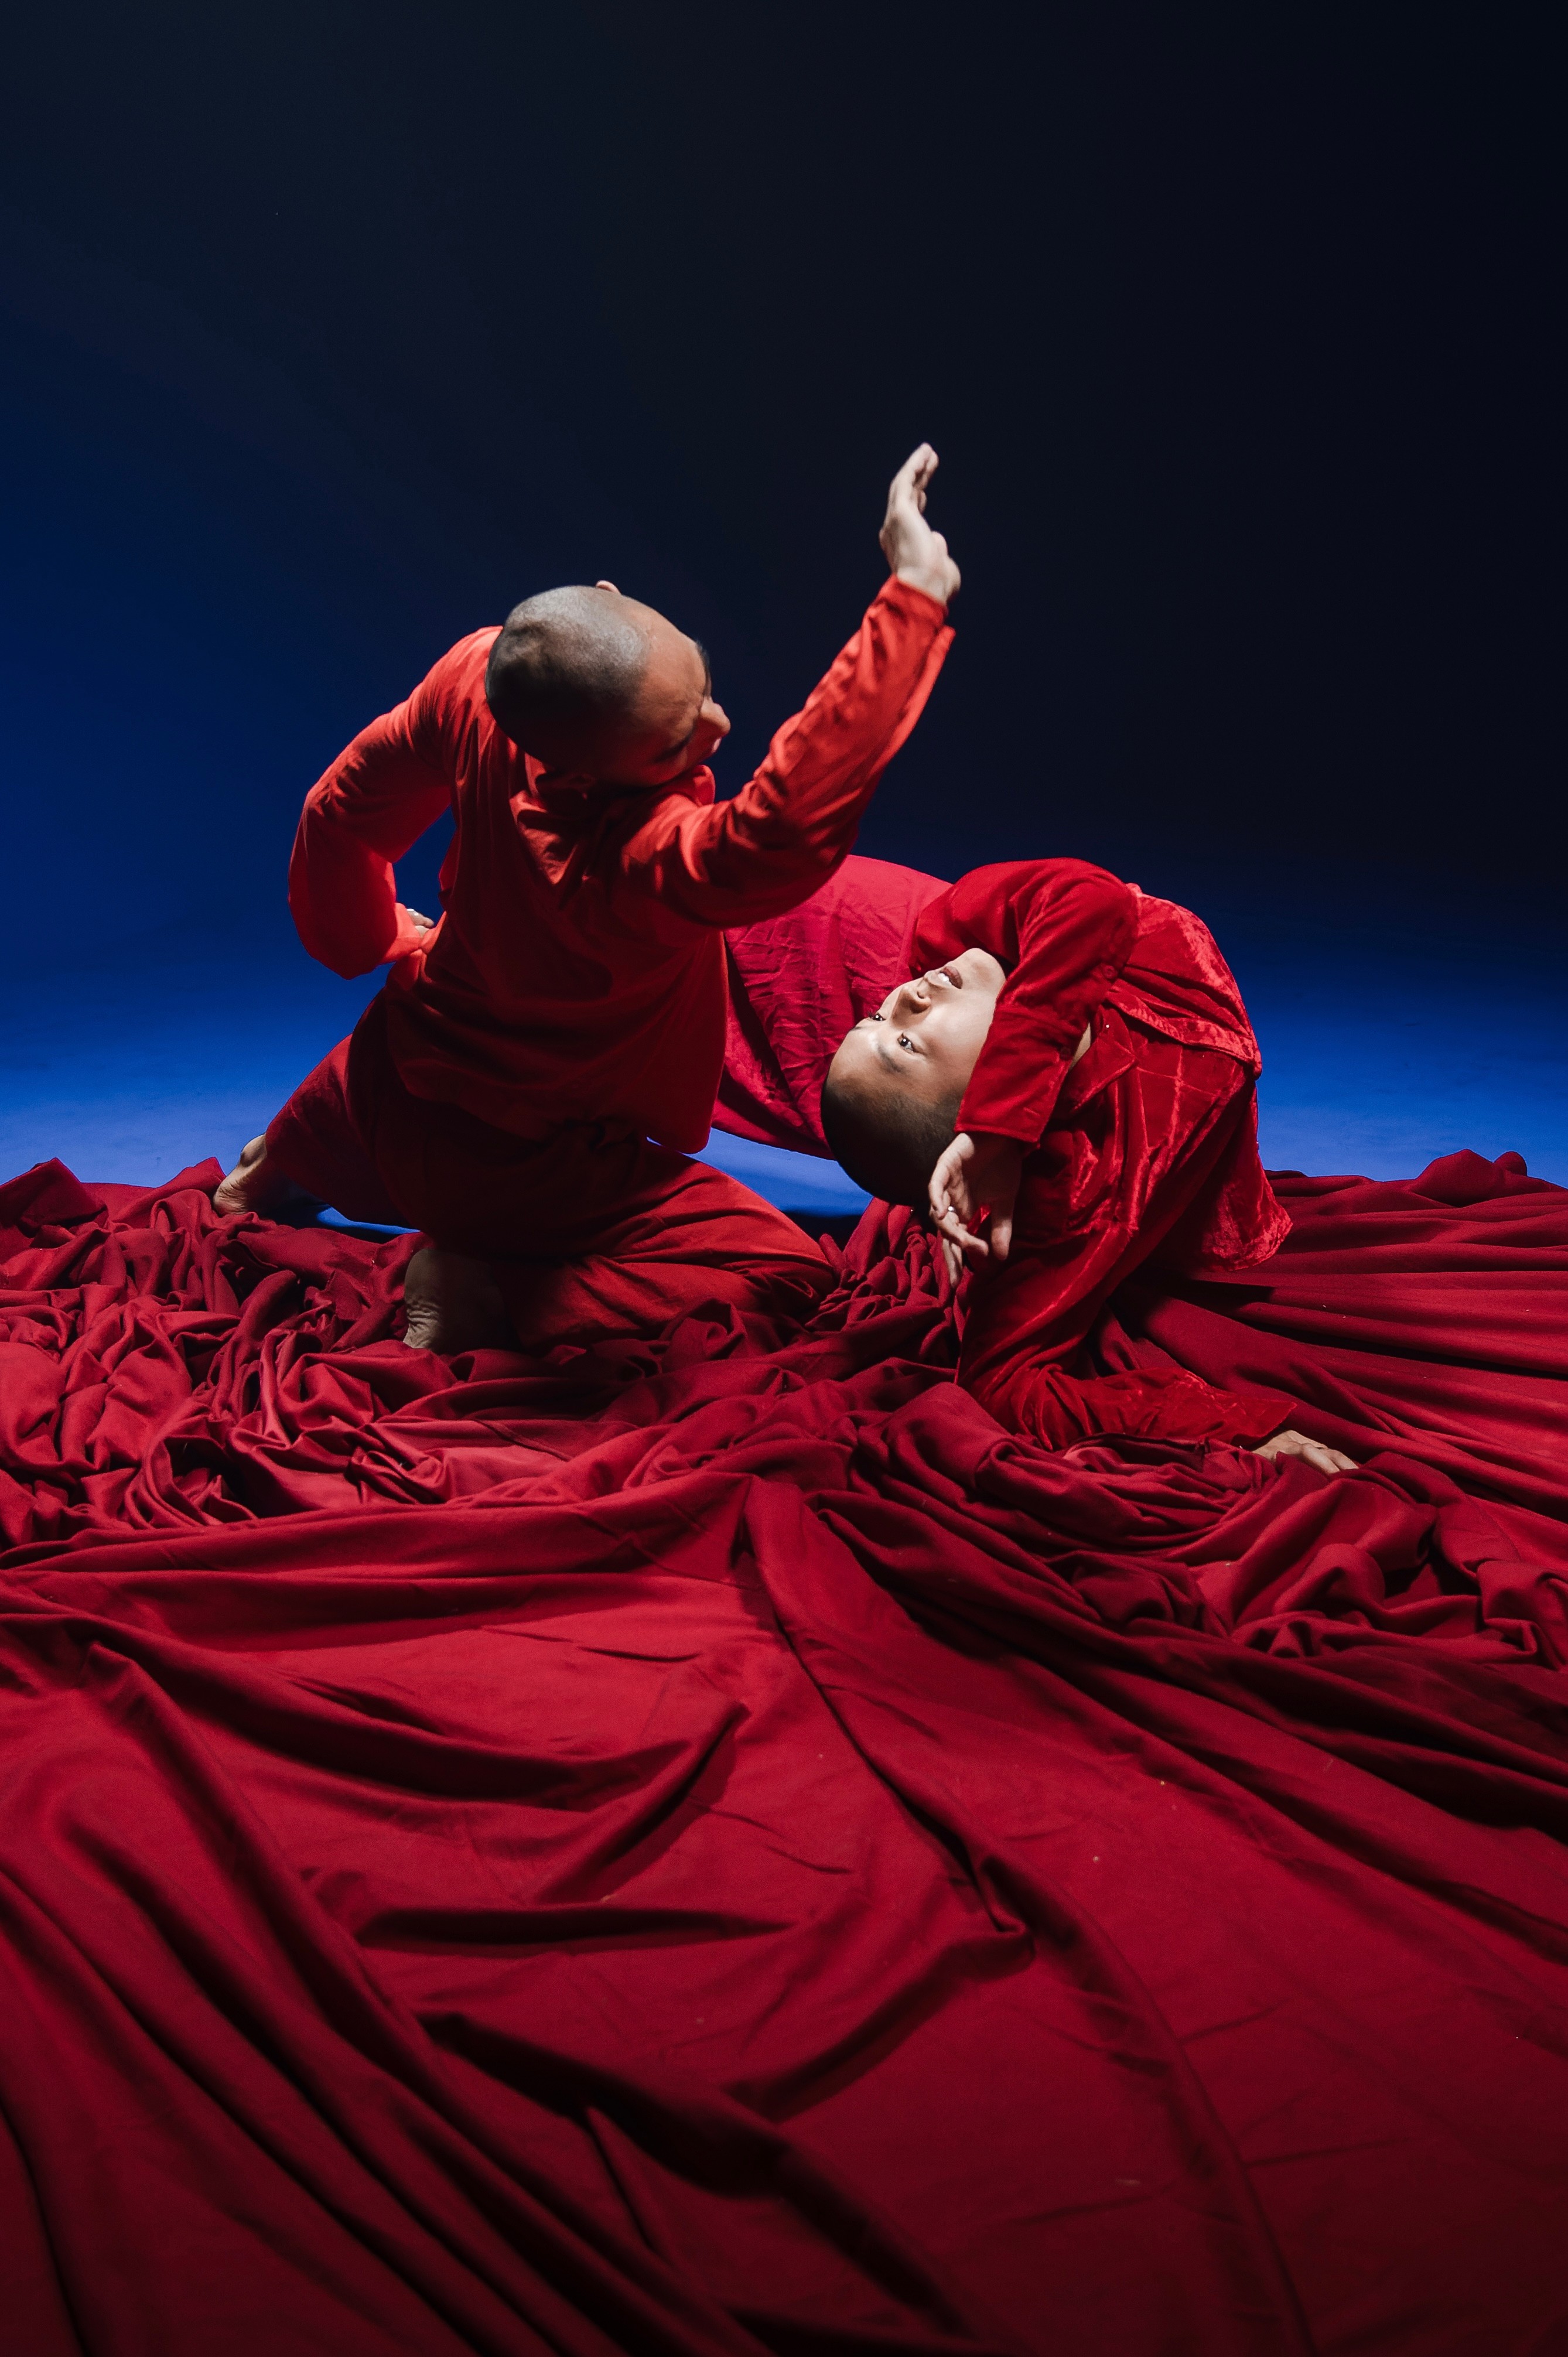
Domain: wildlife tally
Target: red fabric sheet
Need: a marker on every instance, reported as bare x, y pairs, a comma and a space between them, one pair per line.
711, 1846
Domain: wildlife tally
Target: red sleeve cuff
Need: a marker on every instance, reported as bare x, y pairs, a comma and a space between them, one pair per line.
914, 601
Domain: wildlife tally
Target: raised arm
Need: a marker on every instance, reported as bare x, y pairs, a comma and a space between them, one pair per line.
785, 833
371, 806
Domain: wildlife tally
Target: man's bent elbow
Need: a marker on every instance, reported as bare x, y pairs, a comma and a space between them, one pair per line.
349, 960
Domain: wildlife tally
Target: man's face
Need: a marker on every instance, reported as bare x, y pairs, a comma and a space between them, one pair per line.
926, 1035
676, 723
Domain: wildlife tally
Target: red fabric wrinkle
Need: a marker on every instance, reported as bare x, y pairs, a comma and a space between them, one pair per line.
710, 1844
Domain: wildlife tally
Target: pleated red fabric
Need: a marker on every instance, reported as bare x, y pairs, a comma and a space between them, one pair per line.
711, 1846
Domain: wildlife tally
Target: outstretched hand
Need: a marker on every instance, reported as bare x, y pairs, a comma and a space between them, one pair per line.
915, 552
1315, 1452
976, 1175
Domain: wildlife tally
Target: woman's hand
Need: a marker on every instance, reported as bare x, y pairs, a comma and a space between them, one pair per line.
975, 1174
1296, 1444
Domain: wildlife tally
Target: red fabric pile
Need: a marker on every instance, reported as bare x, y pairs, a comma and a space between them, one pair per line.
709, 1846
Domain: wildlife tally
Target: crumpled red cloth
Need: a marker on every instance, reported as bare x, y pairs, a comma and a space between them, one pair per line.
712, 1845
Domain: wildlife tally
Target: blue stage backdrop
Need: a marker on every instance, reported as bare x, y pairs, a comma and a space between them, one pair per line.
326, 335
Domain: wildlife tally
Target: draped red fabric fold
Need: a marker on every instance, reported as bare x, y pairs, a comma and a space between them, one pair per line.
712, 1845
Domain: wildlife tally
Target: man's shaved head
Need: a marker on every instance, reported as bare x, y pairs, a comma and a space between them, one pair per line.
566, 671
604, 688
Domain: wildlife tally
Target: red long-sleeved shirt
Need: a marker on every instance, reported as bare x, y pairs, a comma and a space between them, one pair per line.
578, 970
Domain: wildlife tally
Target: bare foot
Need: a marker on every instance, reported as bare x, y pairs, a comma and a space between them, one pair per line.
1315, 1452
253, 1185
453, 1303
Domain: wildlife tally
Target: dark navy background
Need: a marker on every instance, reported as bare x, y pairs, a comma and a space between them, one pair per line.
327, 333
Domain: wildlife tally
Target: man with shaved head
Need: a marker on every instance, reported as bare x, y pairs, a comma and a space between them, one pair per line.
530, 1084
588, 680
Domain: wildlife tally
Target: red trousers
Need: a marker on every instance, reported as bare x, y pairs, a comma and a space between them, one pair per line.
590, 1232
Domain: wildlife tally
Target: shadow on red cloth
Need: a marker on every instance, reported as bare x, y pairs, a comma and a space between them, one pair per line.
763, 1859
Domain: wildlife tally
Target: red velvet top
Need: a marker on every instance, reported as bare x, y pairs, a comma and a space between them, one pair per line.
1073, 939
1144, 1142
577, 973
1142, 1146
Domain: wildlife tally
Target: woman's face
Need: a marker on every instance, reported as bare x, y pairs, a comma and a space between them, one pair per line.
926, 1035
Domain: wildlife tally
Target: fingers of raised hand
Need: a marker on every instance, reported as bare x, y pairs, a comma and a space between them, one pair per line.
917, 470
907, 492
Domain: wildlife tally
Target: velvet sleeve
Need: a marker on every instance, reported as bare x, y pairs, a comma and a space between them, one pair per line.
1066, 929
789, 827
371, 806
1154, 1403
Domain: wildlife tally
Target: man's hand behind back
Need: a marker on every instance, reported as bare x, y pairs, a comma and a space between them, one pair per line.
916, 552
